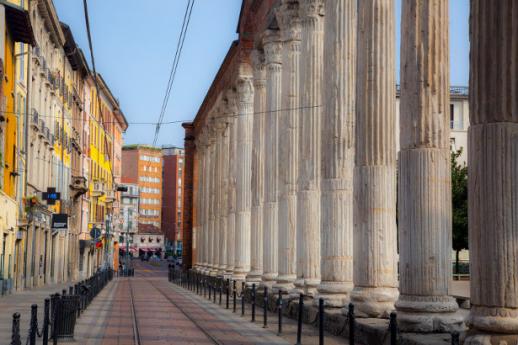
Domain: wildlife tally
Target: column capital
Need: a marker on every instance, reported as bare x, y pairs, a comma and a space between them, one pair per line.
289, 20
245, 88
272, 47
258, 65
311, 9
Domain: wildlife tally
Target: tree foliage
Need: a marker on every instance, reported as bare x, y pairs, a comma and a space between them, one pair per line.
459, 185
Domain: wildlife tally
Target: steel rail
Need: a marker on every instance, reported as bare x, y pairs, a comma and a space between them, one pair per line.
136, 333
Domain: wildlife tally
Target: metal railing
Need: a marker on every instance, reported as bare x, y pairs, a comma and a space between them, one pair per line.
61, 312
205, 285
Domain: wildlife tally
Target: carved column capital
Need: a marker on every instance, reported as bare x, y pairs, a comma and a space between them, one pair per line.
289, 20
245, 89
311, 9
258, 65
272, 47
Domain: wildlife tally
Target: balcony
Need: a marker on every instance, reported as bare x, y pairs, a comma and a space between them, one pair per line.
41, 134
110, 196
98, 189
46, 135
35, 120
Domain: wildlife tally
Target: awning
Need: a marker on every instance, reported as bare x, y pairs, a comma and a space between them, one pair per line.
19, 23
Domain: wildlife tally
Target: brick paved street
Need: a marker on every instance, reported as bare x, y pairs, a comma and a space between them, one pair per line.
169, 314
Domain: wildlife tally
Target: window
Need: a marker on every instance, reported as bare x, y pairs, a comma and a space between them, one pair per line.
452, 116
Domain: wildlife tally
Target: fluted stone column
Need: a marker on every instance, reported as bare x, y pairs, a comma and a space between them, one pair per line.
493, 172
230, 105
258, 157
375, 234
424, 171
308, 197
222, 193
272, 51
206, 204
245, 104
213, 264
199, 203
338, 152
289, 23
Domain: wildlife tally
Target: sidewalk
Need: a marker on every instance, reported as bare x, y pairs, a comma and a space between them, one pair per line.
21, 302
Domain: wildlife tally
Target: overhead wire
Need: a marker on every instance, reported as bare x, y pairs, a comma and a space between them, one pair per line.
174, 67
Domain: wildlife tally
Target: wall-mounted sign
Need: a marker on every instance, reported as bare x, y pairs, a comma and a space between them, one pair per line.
51, 196
95, 233
59, 221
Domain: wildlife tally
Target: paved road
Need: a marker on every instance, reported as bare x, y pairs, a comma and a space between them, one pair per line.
168, 314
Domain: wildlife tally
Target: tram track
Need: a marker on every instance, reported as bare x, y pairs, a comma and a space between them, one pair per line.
136, 331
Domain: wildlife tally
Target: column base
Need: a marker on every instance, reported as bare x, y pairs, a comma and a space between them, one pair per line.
268, 280
297, 289
493, 320
373, 302
228, 274
239, 276
284, 283
213, 272
474, 338
335, 294
253, 277
311, 287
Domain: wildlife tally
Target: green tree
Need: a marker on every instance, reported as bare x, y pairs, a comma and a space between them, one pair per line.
459, 186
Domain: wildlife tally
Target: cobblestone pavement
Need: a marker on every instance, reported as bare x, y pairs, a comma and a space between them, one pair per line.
169, 314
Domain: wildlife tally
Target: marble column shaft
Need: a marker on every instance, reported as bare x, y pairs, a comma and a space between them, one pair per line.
245, 105
272, 51
258, 157
232, 169
213, 264
424, 171
199, 204
338, 152
493, 171
288, 19
223, 201
206, 205
308, 196
375, 233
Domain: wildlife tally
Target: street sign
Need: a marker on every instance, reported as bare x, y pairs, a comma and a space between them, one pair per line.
51, 196
95, 233
59, 221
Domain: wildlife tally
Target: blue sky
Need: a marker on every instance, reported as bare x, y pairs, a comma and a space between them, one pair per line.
134, 45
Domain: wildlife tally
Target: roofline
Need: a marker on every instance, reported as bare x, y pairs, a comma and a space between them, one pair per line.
115, 103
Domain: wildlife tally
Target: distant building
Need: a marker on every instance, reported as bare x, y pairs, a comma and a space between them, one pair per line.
172, 187
129, 209
149, 240
142, 165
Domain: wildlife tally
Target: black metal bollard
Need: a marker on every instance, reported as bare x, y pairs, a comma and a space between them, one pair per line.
242, 298
279, 310
321, 321
220, 288
228, 290
253, 302
351, 323
210, 296
299, 319
46, 321
393, 328
34, 324
70, 290
265, 309
455, 338
15, 330
234, 292
64, 292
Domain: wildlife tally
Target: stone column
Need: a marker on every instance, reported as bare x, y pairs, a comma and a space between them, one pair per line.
222, 197
198, 212
206, 204
272, 51
256, 260
245, 102
289, 23
493, 172
230, 105
213, 224
220, 125
424, 171
308, 197
375, 233
338, 152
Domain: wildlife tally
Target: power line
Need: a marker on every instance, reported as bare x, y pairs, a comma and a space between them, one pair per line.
174, 67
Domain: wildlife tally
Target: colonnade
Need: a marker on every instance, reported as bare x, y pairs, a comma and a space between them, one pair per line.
299, 174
